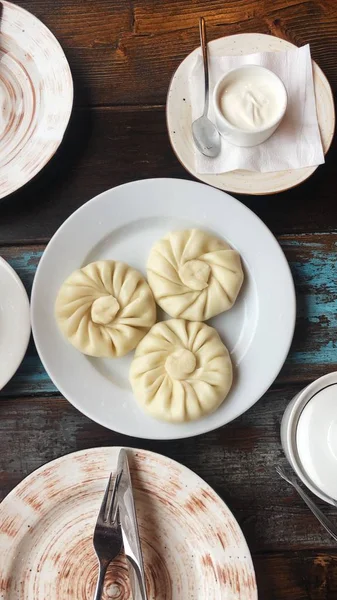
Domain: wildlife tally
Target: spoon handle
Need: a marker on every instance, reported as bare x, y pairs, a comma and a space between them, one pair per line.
203, 42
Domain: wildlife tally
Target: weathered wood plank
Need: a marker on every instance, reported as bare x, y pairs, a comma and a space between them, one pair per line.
103, 148
89, 23
238, 461
296, 576
125, 52
313, 262
107, 147
150, 16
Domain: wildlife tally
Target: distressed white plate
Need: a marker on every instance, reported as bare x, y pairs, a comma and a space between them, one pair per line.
192, 545
123, 224
179, 117
14, 322
36, 96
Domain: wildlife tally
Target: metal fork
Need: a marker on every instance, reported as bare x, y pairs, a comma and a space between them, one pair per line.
330, 528
108, 534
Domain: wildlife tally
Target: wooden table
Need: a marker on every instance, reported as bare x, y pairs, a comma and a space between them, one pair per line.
122, 54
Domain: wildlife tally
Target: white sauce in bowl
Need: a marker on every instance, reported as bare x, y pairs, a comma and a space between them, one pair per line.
316, 439
250, 100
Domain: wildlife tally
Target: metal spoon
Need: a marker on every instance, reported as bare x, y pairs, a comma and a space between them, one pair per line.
205, 134
330, 528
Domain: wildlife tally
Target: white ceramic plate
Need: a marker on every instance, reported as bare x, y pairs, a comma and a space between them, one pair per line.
123, 223
36, 96
14, 322
179, 118
192, 545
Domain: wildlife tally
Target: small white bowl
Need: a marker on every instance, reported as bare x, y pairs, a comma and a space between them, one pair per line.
248, 137
289, 429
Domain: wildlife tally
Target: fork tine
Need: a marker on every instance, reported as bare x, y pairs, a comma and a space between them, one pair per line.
109, 507
113, 513
107, 538
279, 470
105, 502
282, 473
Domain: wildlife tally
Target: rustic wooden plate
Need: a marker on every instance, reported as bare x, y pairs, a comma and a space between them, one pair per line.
36, 96
193, 547
179, 119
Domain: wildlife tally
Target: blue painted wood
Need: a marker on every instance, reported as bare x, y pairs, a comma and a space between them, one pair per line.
313, 264
314, 352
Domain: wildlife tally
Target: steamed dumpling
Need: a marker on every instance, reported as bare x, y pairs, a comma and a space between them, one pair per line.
105, 309
181, 371
194, 275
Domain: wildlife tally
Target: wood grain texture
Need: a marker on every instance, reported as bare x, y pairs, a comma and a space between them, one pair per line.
122, 54
296, 576
313, 353
238, 461
103, 148
125, 51
106, 147
293, 557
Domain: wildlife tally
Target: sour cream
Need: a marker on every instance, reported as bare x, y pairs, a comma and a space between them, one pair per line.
316, 440
249, 103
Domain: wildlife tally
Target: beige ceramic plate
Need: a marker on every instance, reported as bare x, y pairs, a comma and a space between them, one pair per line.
36, 96
179, 118
192, 545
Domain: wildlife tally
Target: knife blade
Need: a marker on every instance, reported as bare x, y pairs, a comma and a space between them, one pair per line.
129, 526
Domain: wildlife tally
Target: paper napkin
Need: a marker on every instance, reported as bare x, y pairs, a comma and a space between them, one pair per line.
295, 144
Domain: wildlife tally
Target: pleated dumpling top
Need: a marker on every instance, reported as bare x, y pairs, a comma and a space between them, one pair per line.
194, 275
181, 371
105, 308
